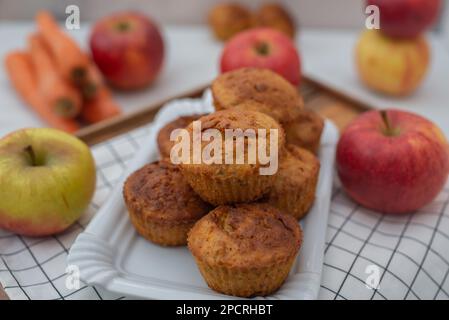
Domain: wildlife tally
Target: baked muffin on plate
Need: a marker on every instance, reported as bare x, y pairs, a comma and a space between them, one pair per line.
228, 19
245, 250
163, 137
161, 204
293, 192
265, 91
228, 181
259, 90
305, 131
273, 15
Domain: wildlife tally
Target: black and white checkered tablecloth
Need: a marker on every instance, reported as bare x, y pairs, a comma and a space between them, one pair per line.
407, 255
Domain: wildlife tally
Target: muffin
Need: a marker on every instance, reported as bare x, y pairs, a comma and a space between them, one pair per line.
293, 192
245, 250
161, 204
260, 90
305, 131
163, 137
274, 16
226, 20
225, 180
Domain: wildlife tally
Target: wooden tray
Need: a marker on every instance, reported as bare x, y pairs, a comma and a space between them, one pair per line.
330, 104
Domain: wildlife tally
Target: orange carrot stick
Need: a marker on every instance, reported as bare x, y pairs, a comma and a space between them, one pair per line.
71, 61
61, 96
21, 74
101, 107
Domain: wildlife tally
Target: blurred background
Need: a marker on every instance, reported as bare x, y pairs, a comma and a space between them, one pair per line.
328, 33
310, 13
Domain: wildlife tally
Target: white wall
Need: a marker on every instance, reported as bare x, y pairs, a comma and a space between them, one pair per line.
310, 13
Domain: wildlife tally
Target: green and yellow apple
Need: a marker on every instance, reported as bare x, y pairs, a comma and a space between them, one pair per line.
390, 65
47, 179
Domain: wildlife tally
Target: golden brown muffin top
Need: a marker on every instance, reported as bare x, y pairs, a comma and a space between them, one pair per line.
296, 165
227, 19
159, 191
163, 137
257, 89
245, 236
275, 16
236, 119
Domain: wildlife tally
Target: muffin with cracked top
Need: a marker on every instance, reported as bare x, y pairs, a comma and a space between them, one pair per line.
265, 91
245, 250
161, 205
230, 176
259, 90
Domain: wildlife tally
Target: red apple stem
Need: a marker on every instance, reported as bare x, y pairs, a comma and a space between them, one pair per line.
389, 129
123, 26
30, 151
385, 119
262, 48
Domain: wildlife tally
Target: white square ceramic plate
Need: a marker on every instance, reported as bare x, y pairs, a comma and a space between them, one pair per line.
110, 254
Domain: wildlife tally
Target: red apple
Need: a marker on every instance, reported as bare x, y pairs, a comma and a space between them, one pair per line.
406, 18
263, 48
392, 161
128, 49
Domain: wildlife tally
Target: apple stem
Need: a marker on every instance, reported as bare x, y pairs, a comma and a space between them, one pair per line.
123, 26
385, 119
30, 151
262, 48
389, 130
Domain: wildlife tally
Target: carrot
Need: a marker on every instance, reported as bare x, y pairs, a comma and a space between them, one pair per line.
101, 107
92, 82
71, 61
20, 71
61, 96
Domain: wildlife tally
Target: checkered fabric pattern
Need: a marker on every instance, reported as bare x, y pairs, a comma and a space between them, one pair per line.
35, 268
407, 254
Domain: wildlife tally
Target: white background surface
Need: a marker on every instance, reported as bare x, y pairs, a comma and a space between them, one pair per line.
192, 60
